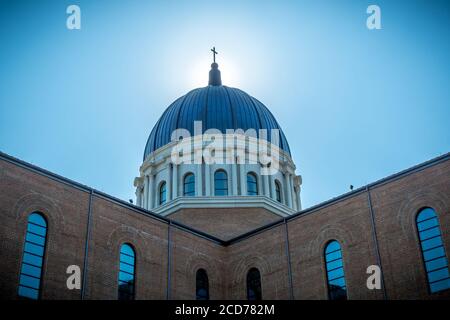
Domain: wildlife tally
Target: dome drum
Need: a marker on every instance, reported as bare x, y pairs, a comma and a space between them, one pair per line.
192, 131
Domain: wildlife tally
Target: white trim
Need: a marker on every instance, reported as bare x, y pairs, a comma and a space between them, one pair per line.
159, 165
224, 202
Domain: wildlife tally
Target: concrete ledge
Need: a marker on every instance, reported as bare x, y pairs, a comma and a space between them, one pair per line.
224, 202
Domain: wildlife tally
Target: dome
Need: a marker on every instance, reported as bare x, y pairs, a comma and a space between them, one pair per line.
217, 107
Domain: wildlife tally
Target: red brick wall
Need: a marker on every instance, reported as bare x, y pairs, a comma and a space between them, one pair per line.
224, 223
65, 208
189, 253
396, 205
113, 225
266, 252
349, 223
348, 220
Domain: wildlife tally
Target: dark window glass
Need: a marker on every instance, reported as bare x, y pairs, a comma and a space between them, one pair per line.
33, 257
252, 184
220, 183
254, 284
162, 193
278, 191
126, 272
433, 252
189, 185
202, 285
337, 289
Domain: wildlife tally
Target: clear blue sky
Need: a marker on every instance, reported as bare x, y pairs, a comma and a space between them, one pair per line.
356, 105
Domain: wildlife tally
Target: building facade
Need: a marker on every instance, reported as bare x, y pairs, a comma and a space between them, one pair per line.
202, 230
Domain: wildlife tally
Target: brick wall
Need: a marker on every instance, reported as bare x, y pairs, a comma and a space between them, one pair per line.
395, 203
224, 223
65, 208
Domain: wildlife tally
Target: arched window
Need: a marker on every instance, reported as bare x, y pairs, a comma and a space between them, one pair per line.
189, 185
433, 252
162, 193
278, 191
126, 272
252, 184
202, 285
33, 257
254, 284
337, 289
220, 183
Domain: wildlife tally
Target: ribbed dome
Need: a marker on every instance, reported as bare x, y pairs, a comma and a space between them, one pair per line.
218, 107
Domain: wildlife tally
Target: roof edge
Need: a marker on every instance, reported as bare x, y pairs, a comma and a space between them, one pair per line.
85, 188
393, 177
101, 194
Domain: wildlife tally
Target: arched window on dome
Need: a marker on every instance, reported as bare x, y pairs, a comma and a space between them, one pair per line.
30, 280
254, 285
189, 185
337, 289
126, 272
220, 183
162, 193
202, 285
277, 191
433, 251
252, 184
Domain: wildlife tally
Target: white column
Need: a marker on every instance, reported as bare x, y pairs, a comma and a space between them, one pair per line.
287, 190
266, 185
199, 180
234, 180
294, 199
169, 182
272, 188
299, 201
207, 180
138, 196
260, 184
292, 190
243, 179
151, 192
145, 192
175, 180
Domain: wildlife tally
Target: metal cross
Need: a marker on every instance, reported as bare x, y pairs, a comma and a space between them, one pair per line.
214, 53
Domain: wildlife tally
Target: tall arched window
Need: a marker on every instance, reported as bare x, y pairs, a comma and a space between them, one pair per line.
202, 285
126, 272
220, 183
189, 185
278, 191
33, 257
337, 289
162, 193
254, 284
433, 252
252, 184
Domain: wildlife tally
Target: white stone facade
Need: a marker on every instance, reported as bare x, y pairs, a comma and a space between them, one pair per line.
158, 168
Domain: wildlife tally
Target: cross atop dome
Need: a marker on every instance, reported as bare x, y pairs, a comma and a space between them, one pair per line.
214, 54
214, 73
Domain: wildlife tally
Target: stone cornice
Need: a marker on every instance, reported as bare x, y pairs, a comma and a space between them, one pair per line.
163, 154
264, 202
